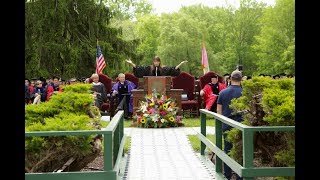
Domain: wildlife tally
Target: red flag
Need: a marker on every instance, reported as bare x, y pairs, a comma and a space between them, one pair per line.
204, 62
100, 62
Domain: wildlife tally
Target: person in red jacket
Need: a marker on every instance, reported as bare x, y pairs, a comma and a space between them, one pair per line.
53, 88
210, 93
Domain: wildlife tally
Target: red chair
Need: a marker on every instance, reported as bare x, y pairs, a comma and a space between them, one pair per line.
205, 79
107, 106
132, 78
186, 82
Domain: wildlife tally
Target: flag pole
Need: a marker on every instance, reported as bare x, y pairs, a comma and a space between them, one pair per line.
96, 60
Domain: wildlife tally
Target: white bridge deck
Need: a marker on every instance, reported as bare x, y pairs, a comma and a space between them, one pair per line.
165, 154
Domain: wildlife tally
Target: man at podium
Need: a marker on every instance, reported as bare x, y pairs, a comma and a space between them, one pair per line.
155, 69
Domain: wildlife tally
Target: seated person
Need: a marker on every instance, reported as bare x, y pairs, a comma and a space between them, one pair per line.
122, 91
27, 94
53, 88
98, 91
210, 93
39, 93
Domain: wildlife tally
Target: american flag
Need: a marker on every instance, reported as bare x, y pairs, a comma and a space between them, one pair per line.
100, 63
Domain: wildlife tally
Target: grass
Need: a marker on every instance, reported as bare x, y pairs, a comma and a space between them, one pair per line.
195, 141
127, 144
127, 123
195, 122
188, 122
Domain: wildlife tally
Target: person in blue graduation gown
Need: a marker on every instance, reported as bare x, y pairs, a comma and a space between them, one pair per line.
122, 91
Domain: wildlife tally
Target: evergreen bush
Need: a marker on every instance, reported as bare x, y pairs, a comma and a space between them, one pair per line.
72, 109
267, 102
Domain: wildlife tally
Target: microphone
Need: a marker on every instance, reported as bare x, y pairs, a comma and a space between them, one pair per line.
156, 71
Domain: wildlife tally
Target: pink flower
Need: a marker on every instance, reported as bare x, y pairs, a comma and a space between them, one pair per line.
178, 119
163, 113
152, 110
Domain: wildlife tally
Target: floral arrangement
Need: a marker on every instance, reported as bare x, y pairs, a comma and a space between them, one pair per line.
157, 111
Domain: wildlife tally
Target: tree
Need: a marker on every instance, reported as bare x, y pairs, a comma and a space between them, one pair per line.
275, 45
242, 25
61, 38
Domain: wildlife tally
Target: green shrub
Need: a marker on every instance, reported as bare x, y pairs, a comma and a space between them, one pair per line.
267, 102
69, 110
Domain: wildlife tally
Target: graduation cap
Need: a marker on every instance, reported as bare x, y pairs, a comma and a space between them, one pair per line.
226, 74
34, 79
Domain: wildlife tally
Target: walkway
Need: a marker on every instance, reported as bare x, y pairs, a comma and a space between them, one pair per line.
165, 154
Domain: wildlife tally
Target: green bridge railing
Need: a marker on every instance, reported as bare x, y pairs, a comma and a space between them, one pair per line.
247, 171
113, 140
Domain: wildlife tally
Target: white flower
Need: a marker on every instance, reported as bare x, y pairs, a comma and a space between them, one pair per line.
145, 115
170, 109
155, 118
143, 108
162, 120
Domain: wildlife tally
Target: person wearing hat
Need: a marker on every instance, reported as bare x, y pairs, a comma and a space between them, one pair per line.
211, 91
155, 69
224, 100
227, 79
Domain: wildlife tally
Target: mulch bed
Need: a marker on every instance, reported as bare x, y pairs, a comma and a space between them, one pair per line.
96, 165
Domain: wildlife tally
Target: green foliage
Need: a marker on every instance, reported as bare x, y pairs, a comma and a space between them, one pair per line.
148, 32
267, 102
65, 111
75, 98
61, 38
285, 156
235, 137
64, 121
275, 45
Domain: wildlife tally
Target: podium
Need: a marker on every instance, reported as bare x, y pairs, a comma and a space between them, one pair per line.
162, 85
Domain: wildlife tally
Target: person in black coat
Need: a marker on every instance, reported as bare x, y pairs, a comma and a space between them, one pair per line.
99, 91
27, 96
155, 69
